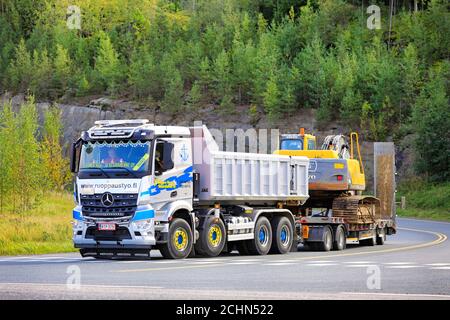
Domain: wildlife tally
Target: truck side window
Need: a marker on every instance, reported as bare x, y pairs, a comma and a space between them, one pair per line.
163, 157
311, 144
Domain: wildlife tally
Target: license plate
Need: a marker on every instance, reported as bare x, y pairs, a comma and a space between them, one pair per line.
106, 226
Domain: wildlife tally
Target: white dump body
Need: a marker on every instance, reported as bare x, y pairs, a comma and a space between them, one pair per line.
252, 178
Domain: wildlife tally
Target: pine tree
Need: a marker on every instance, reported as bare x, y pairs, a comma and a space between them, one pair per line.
108, 65
41, 83
20, 70
63, 69
173, 97
432, 127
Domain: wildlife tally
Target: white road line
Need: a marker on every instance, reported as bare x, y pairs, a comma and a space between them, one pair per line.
240, 263
440, 268
278, 264
398, 263
361, 265
359, 262
403, 267
438, 264
322, 261
321, 264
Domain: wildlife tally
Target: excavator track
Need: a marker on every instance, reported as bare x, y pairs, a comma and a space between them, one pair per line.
357, 209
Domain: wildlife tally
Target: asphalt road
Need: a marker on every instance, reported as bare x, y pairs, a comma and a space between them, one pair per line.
414, 264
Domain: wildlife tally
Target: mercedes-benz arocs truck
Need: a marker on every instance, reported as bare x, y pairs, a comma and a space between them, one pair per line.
141, 187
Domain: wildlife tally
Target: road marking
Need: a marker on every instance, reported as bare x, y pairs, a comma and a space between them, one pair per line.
359, 262
278, 264
360, 265
240, 263
440, 268
321, 264
403, 267
438, 264
398, 263
168, 268
417, 295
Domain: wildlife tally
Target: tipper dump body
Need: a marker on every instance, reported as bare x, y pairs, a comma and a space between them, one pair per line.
250, 178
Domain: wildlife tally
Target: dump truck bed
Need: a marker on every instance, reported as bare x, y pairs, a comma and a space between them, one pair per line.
247, 178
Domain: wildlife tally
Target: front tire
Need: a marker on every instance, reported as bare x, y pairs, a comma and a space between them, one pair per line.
179, 243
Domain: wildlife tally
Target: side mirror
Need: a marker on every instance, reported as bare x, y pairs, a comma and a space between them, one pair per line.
75, 156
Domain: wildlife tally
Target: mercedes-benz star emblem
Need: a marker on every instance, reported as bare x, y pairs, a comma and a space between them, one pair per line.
107, 199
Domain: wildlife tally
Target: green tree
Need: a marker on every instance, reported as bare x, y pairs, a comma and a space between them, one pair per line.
63, 66
54, 165
430, 122
108, 65
20, 70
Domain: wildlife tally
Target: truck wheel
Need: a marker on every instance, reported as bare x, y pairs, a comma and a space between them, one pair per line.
262, 241
340, 240
327, 240
179, 243
381, 237
282, 235
212, 238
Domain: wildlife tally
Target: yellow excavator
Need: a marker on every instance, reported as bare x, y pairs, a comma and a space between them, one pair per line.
336, 183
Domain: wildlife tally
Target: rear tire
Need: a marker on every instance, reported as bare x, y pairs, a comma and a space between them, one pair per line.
340, 240
282, 235
381, 237
261, 243
179, 243
327, 240
212, 238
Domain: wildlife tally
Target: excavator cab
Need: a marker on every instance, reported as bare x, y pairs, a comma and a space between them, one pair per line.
300, 141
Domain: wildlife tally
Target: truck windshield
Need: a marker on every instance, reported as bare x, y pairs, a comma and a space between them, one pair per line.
129, 155
291, 144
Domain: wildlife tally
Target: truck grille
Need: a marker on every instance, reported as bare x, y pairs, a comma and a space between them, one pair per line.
124, 205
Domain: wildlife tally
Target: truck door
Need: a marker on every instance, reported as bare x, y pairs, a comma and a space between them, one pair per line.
172, 171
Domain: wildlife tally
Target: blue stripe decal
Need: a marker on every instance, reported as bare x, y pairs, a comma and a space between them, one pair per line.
142, 215
77, 215
171, 183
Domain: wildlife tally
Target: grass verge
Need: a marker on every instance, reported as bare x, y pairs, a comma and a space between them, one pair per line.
44, 229
425, 201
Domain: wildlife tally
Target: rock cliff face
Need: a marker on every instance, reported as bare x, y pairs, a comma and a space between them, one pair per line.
78, 116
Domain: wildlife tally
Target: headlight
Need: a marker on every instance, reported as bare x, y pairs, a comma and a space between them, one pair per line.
142, 224
77, 224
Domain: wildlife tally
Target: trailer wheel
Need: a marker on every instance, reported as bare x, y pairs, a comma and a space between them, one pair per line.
212, 238
282, 235
381, 237
179, 243
340, 240
261, 243
327, 240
